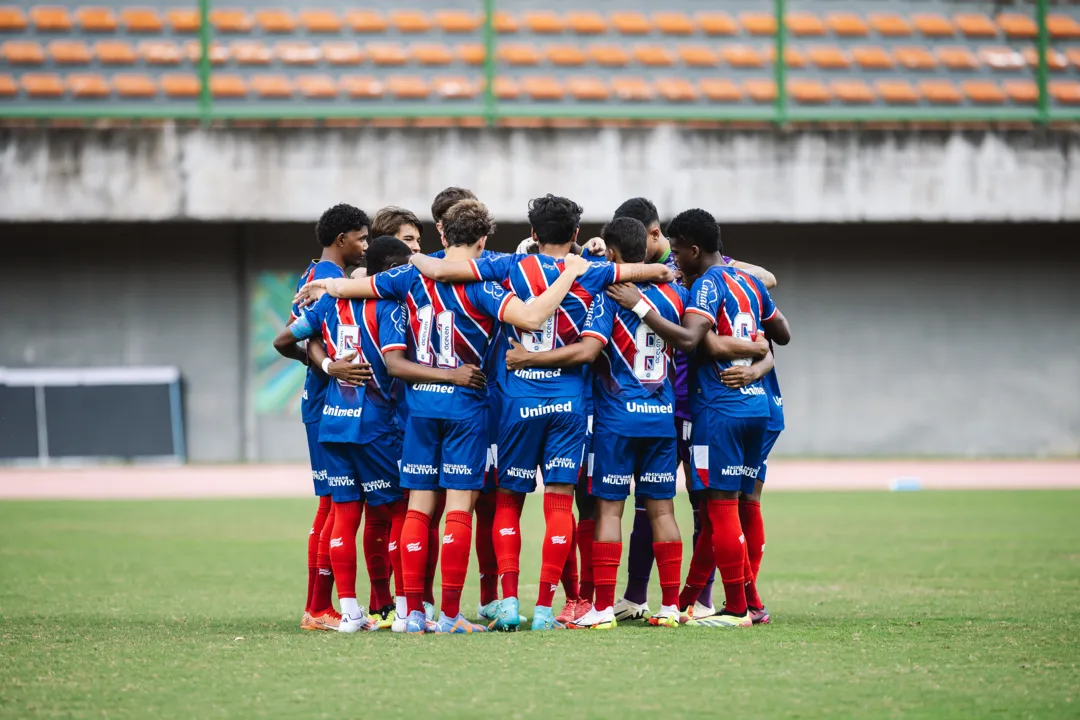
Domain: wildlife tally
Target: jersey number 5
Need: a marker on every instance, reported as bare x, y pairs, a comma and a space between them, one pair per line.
444, 338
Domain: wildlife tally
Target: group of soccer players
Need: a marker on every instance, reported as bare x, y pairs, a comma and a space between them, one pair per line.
445, 387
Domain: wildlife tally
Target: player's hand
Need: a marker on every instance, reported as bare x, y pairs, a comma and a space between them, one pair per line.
739, 376
596, 246
468, 376
761, 346
346, 371
310, 293
517, 357
626, 294
359, 273
576, 264
669, 275
524, 247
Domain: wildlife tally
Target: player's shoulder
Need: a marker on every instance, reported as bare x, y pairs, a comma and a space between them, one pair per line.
706, 289
326, 269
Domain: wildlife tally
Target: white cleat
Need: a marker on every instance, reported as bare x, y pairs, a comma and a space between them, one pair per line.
595, 620
357, 623
703, 611
626, 610
399, 624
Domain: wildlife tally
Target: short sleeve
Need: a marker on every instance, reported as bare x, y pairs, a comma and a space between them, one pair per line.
495, 267
393, 284
705, 297
768, 307
599, 276
490, 297
309, 322
391, 326
600, 320
325, 270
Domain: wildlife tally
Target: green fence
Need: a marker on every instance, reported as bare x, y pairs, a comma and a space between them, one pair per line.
491, 110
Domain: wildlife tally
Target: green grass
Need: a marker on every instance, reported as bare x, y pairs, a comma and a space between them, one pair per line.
885, 605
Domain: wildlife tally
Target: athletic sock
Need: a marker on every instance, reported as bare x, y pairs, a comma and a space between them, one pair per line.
728, 550
324, 582
559, 525
414, 554
606, 557
585, 533
640, 561
697, 498
397, 522
313, 547
349, 606
377, 554
456, 544
702, 564
570, 571
433, 549
507, 540
343, 547
485, 548
754, 530
669, 567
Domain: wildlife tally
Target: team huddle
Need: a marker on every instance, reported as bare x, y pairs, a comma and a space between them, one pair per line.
447, 387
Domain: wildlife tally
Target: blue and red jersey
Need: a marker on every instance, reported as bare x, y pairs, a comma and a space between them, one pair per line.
350, 413
634, 374
448, 326
315, 383
736, 303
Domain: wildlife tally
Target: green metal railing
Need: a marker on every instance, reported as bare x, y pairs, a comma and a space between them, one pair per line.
780, 112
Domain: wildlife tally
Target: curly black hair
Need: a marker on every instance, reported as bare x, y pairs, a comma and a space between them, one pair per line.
466, 222
339, 219
447, 199
628, 236
639, 208
554, 219
695, 227
383, 250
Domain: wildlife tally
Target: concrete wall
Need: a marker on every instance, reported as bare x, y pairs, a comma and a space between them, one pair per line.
173, 173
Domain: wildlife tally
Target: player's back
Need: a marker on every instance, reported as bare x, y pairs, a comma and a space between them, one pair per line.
315, 383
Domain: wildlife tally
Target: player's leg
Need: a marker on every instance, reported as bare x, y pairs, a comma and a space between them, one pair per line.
401, 606
343, 475
754, 528
377, 557
657, 462
703, 606
379, 461
322, 491
433, 555
634, 604
486, 558
421, 459
703, 561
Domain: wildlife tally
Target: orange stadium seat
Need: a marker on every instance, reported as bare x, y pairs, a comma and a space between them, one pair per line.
793, 57
544, 22
518, 54
272, 86
160, 52
317, 87
565, 55
720, 90
742, 56
44, 85
933, 25
183, 20
957, 58
471, 53
761, 90
983, 92
230, 20
852, 92
457, 21
251, 53
1063, 27
632, 89
975, 25
673, 23
219, 53
410, 21
275, 20
871, 58
847, 24
543, 88
88, 85
366, 21
50, 18
69, 52
1073, 54
180, 85
320, 21
653, 55
758, 23
506, 88
890, 25
1024, 92
504, 23
914, 58
8, 86
1055, 61
631, 23
12, 19
297, 52
141, 20
810, 92
676, 90
387, 54
1066, 92
432, 54
828, 57
609, 55
96, 19
228, 86
1015, 25
115, 52
458, 88
939, 92
587, 88
342, 53
698, 55
804, 23
896, 92
24, 52
134, 85
717, 23
586, 23
361, 86
1001, 58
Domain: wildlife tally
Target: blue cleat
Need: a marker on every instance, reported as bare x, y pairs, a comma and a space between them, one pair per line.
508, 617
457, 626
416, 623
544, 619
491, 612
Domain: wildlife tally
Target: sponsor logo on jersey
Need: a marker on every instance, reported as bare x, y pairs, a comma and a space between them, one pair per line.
507, 532
334, 411
546, 409
633, 406
751, 472
433, 387
520, 473
340, 481
418, 469
707, 294
538, 374
414, 547
752, 390
660, 477
456, 469
304, 396
560, 463
779, 401
377, 485
617, 479
318, 475
558, 539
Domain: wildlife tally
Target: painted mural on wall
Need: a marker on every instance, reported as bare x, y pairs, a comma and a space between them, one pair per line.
279, 383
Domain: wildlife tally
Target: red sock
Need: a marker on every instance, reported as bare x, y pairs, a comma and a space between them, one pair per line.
397, 522
585, 532
343, 546
456, 542
701, 564
669, 566
559, 521
313, 547
485, 548
606, 557
433, 550
414, 554
729, 549
570, 571
507, 540
377, 554
324, 582
754, 530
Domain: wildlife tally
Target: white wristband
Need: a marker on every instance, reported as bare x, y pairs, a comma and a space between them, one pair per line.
326, 366
641, 309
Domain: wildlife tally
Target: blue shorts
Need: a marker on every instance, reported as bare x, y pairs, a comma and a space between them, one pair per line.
447, 454
492, 461
683, 428
616, 460
318, 459
583, 473
367, 472
726, 451
766, 448
532, 433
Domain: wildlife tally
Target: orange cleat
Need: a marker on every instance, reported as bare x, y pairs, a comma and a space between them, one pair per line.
326, 620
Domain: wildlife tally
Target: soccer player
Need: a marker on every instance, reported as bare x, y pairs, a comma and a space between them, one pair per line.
446, 432
728, 422
399, 223
343, 232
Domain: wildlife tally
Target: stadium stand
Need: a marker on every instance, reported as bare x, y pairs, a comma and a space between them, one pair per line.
719, 56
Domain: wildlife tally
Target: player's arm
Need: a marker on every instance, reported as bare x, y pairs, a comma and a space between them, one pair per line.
358, 288
341, 369
766, 277
292, 350
531, 316
440, 270
723, 347
738, 376
683, 337
401, 367
777, 328
657, 273
582, 352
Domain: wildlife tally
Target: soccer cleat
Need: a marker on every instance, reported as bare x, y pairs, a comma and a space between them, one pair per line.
696, 611
626, 610
596, 620
429, 612
491, 612
457, 626
722, 620
667, 617
544, 619
356, 623
308, 623
569, 612
398, 625
416, 623
327, 620
583, 606
760, 617
384, 616
508, 617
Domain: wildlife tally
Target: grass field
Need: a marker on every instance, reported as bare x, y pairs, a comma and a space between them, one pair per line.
885, 605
